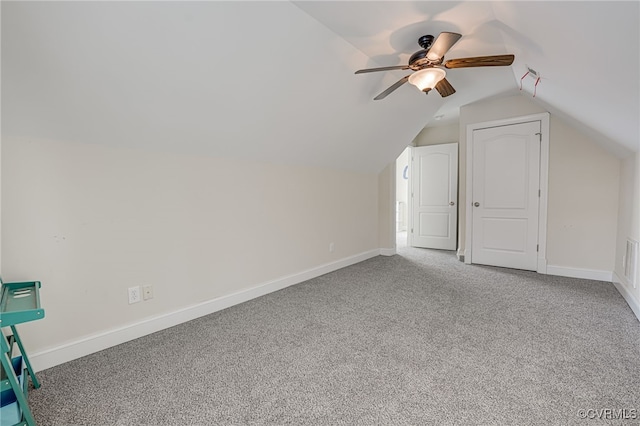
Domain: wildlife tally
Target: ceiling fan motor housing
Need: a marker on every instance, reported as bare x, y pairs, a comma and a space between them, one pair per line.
426, 41
419, 59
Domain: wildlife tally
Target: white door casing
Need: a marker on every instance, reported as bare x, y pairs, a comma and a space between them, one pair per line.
434, 196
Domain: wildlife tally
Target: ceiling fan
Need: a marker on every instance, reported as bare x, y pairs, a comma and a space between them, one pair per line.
428, 65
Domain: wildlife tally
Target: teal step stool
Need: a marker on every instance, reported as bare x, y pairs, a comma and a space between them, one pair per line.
19, 303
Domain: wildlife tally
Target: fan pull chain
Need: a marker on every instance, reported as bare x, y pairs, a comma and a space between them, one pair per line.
535, 87
527, 73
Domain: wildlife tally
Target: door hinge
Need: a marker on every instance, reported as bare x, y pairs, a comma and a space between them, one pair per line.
539, 136
537, 247
412, 230
538, 193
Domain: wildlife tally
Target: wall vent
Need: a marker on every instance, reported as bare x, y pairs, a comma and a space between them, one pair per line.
630, 262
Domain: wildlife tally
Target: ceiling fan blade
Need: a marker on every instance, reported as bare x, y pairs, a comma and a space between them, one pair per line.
480, 61
396, 67
441, 46
445, 88
391, 88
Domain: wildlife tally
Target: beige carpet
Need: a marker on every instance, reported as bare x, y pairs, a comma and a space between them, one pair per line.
417, 338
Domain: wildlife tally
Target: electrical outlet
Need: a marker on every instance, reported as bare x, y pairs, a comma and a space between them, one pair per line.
134, 295
331, 247
147, 292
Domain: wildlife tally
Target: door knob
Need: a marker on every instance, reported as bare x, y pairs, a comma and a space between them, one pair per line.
451, 203
477, 204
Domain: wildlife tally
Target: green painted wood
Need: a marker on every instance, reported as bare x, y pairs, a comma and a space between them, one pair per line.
6, 384
20, 302
19, 390
25, 358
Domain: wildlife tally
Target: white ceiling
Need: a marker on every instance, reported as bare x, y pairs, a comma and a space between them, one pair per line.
388, 32
274, 80
569, 43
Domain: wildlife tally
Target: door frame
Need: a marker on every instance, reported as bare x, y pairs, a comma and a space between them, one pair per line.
410, 199
544, 182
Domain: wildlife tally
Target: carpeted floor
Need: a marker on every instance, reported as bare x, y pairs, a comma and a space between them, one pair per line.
414, 339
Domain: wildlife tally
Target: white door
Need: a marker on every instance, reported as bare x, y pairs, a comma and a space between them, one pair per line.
506, 183
434, 190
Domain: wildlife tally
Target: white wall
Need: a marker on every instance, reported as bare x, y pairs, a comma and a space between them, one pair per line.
89, 221
438, 135
583, 188
583, 201
402, 190
386, 210
0, 160
1, 205
628, 226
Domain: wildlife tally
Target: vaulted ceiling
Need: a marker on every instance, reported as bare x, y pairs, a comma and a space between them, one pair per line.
275, 80
587, 53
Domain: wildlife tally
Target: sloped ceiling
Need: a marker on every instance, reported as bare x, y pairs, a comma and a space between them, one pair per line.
275, 80
260, 80
586, 52
388, 32
588, 56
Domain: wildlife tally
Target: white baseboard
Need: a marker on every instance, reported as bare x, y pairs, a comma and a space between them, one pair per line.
387, 251
633, 302
588, 274
90, 344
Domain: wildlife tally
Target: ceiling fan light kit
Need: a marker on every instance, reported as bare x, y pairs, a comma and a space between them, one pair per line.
427, 65
426, 79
